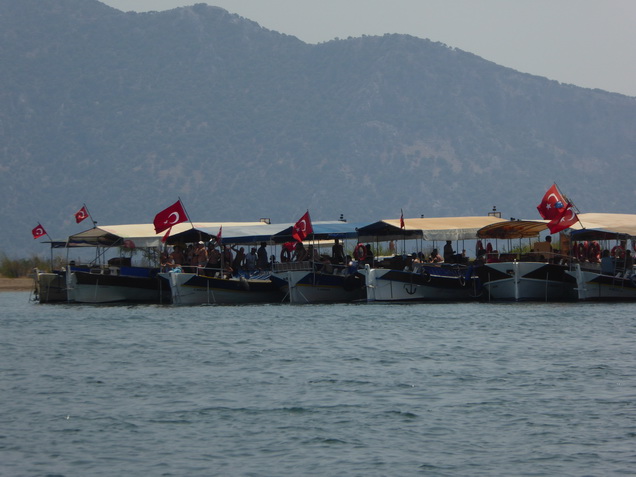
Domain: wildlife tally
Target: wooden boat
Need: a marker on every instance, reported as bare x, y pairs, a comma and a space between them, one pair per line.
201, 288
608, 278
319, 280
117, 285
302, 283
116, 280
533, 276
50, 287
401, 278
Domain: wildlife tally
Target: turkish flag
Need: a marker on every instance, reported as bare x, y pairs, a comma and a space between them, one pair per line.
401, 219
552, 205
219, 236
175, 214
38, 232
81, 214
565, 220
303, 228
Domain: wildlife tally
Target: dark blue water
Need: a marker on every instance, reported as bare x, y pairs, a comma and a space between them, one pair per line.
344, 390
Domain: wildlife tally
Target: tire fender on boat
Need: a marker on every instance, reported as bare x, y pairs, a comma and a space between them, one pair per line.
618, 252
360, 252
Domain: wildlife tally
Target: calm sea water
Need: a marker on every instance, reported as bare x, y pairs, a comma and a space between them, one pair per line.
346, 390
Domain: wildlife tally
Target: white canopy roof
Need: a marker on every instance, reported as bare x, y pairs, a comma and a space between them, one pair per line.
139, 235
434, 229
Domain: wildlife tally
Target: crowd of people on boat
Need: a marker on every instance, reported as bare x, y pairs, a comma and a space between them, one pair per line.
230, 261
226, 259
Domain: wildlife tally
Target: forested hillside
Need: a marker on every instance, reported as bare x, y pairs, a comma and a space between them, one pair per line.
128, 111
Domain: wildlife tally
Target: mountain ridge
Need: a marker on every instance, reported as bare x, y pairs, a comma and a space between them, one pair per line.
127, 111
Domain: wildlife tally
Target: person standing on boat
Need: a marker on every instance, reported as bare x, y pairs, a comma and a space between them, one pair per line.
337, 252
449, 253
300, 253
262, 262
607, 263
177, 255
200, 255
250, 261
369, 259
237, 264
214, 257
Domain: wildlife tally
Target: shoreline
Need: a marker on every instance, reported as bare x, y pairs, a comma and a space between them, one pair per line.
16, 284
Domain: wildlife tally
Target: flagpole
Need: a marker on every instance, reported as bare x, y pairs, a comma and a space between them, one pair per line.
403, 227
89, 214
189, 219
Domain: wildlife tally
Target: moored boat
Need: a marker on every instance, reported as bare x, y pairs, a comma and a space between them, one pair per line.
531, 276
603, 264
200, 289
323, 277
302, 283
50, 287
117, 285
411, 278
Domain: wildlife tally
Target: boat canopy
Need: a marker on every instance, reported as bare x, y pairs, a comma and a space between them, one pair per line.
322, 231
592, 226
247, 233
433, 229
136, 235
599, 226
513, 229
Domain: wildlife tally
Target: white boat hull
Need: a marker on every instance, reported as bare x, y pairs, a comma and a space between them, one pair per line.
50, 287
305, 286
526, 281
592, 285
434, 284
192, 289
86, 287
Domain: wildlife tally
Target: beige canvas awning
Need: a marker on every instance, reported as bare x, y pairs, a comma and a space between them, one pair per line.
433, 229
139, 235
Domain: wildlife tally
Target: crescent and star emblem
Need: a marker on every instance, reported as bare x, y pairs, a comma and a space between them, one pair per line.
571, 211
172, 222
39, 231
557, 203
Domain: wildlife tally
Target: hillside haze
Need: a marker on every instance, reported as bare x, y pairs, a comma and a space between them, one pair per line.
128, 111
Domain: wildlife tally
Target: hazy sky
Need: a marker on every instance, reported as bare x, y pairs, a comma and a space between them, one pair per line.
589, 43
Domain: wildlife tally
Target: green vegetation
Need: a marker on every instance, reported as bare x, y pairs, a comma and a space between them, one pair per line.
22, 267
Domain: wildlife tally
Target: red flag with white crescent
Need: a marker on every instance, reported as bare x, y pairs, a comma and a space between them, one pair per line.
302, 228
81, 214
38, 232
566, 220
173, 215
552, 205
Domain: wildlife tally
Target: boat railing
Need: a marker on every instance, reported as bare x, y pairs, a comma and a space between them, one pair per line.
290, 266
